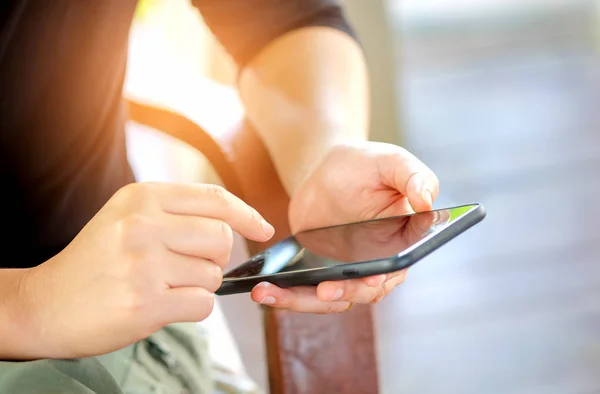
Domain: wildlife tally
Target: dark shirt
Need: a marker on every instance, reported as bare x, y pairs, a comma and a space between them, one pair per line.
62, 65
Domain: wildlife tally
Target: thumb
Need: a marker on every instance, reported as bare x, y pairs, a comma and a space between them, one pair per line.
412, 178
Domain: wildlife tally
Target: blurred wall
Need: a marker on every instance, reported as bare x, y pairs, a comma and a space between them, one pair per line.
372, 22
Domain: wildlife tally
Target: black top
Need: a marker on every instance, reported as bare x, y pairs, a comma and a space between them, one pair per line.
62, 66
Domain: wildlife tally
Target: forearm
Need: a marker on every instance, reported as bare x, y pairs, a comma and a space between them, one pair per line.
306, 92
15, 339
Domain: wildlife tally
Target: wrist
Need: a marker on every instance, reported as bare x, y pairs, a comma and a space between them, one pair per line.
19, 333
312, 156
315, 156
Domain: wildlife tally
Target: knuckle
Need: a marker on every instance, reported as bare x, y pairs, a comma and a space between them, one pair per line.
216, 278
332, 309
131, 268
134, 192
123, 193
135, 197
218, 192
199, 309
226, 234
254, 216
207, 303
380, 295
224, 244
135, 223
134, 302
395, 281
135, 231
397, 155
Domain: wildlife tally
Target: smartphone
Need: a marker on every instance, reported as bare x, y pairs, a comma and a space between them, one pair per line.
353, 250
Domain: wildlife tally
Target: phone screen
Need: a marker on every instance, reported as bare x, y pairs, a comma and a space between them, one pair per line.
350, 243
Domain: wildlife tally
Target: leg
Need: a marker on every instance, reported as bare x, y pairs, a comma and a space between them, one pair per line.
86, 376
174, 360
167, 362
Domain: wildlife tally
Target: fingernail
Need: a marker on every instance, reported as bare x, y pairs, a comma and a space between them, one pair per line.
338, 294
268, 300
427, 197
267, 228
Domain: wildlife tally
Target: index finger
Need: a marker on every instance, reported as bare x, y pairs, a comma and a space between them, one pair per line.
214, 201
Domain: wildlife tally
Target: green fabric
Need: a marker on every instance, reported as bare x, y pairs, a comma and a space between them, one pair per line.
174, 360
86, 376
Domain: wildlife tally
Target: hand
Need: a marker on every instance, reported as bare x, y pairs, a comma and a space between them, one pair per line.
152, 256
354, 182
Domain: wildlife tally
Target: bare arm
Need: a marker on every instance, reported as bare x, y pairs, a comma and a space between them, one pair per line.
302, 76
306, 92
14, 329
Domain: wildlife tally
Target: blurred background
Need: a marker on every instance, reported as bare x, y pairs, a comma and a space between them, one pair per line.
501, 99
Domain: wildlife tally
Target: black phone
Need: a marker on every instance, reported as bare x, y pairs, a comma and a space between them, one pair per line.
353, 250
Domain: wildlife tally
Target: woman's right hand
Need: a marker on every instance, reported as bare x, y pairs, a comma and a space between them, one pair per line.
153, 255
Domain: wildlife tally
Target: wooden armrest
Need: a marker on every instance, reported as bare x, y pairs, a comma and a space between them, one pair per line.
306, 353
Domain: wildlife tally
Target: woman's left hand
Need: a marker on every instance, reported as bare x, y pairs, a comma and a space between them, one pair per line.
353, 183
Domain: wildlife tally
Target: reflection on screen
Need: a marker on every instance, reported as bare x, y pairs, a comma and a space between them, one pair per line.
374, 240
